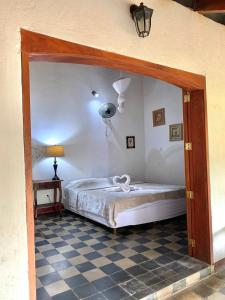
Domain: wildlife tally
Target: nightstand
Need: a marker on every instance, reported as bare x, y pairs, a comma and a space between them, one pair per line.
48, 185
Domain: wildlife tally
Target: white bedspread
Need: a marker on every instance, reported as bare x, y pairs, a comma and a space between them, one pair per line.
98, 197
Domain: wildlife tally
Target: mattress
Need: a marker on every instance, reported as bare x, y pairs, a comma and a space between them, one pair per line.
96, 197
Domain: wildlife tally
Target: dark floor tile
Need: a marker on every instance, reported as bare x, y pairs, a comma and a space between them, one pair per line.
61, 265
114, 257
163, 260
115, 293
133, 286
85, 290
110, 269
50, 252
163, 250
41, 243
84, 267
162, 241
67, 237
138, 258
68, 295
58, 230
104, 283
60, 244
91, 231
85, 238
158, 286
98, 296
92, 255
71, 254
140, 249
150, 265
144, 293
119, 247
149, 278
103, 238
136, 270
76, 281
183, 250
50, 236
203, 290
142, 240
99, 246
49, 278
174, 255
121, 276
75, 230
41, 262
42, 294
79, 245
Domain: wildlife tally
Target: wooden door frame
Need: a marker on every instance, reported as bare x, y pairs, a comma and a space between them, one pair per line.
39, 47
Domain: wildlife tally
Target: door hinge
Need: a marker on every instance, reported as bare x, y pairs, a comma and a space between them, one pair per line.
191, 243
190, 194
187, 98
188, 146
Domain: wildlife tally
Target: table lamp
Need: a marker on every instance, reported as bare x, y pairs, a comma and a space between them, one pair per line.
55, 151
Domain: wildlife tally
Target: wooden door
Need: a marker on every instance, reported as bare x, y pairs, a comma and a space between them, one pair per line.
197, 181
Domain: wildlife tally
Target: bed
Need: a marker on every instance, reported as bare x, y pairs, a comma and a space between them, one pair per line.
98, 199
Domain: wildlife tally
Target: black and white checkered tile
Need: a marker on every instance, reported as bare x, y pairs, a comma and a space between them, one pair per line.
79, 259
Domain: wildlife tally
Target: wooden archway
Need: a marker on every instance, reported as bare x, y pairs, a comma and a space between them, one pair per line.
38, 47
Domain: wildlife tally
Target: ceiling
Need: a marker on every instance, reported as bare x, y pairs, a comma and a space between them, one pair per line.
213, 9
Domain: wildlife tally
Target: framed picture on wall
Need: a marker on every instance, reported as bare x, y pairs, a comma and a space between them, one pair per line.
158, 117
176, 132
130, 142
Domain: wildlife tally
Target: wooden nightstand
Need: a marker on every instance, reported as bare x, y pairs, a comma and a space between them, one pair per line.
48, 185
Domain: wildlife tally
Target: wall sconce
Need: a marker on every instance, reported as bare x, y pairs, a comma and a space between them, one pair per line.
142, 18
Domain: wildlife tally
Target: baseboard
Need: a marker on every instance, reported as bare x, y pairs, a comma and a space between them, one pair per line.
219, 264
46, 208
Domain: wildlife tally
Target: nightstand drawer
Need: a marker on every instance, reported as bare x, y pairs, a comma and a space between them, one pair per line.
48, 185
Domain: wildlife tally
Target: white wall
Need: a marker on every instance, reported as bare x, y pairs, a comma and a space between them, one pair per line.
63, 111
179, 38
164, 160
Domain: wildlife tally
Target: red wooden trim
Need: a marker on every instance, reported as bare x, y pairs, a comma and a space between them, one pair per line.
28, 175
201, 208
36, 46
45, 48
210, 6
186, 117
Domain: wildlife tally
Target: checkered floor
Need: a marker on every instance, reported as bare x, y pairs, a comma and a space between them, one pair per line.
212, 288
79, 259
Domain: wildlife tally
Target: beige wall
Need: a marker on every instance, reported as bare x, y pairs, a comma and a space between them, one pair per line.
179, 38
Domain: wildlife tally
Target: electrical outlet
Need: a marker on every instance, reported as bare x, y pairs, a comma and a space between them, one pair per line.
48, 198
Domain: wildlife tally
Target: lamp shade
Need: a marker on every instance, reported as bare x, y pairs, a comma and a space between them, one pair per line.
55, 151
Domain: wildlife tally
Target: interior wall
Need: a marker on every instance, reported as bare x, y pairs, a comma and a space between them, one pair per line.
179, 38
64, 112
164, 159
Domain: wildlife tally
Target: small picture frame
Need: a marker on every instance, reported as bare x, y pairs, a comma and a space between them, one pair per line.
130, 142
158, 117
176, 132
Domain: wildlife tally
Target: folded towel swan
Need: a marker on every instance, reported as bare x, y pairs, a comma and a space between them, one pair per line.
123, 183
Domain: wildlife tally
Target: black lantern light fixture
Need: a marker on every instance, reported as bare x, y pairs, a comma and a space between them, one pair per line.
142, 16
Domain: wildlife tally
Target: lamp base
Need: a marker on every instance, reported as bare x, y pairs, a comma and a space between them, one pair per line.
55, 178
55, 170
